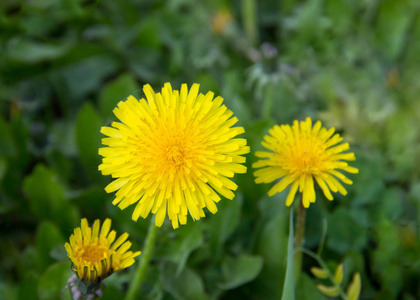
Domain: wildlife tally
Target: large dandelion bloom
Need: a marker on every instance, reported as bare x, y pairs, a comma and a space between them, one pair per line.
300, 154
95, 254
172, 152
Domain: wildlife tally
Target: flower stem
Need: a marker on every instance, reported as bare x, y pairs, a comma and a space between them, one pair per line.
289, 279
144, 262
249, 15
299, 239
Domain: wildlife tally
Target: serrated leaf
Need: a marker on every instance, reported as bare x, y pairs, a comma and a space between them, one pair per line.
240, 270
353, 289
338, 276
331, 291
319, 272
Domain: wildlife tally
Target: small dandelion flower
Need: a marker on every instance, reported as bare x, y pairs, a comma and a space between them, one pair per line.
95, 254
221, 20
172, 153
301, 153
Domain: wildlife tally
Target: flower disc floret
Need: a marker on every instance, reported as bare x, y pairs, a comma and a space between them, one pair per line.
95, 254
172, 153
300, 154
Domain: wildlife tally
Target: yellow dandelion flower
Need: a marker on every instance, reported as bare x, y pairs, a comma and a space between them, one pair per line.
172, 153
301, 153
221, 20
95, 254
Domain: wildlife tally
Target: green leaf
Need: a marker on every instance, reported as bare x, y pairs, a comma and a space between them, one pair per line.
187, 286
289, 281
19, 131
40, 4
319, 272
148, 35
240, 270
341, 14
10, 291
3, 167
346, 233
84, 75
46, 198
8, 147
53, 281
28, 288
392, 22
224, 222
91, 200
88, 139
48, 237
272, 245
43, 191
116, 91
28, 51
331, 291
307, 290
188, 238
385, 294
353, 289
338, 276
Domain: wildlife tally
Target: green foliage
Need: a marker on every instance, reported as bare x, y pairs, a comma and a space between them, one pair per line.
46, 198
352, 64
51, 283
88, 125
187, 285
49, 241
240, 270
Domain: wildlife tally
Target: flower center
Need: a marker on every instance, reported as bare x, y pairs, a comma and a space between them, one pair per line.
175, 154
93, 254
307, 159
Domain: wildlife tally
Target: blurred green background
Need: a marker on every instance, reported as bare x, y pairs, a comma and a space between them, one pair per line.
354, 65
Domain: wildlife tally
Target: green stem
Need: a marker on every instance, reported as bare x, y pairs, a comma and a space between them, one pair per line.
289, 280
249, 12
144, 262
299, 238
324, 266
323, 236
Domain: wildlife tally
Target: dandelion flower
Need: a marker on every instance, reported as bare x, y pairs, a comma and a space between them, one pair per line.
95, 254
298, 155
173, 153
221, 20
